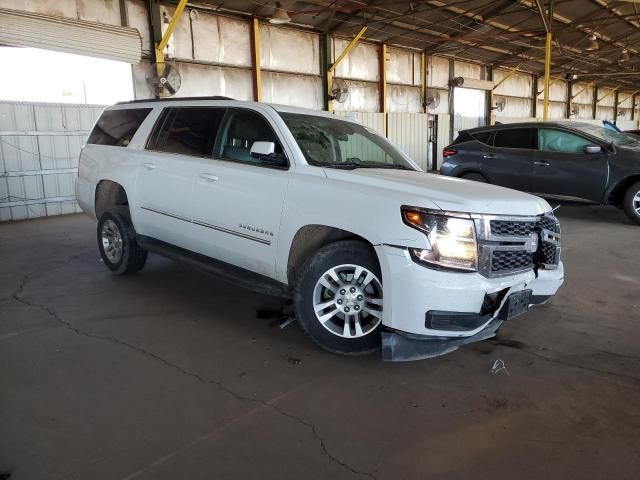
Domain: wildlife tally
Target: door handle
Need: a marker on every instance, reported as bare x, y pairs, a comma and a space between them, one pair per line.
209, 177
542, 164
149, 166
488, 155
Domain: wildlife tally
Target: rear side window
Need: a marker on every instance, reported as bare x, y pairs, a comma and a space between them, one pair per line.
187, 130
482, 137
117, 127
516, 138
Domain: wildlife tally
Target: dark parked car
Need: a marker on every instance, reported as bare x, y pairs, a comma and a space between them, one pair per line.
568, 159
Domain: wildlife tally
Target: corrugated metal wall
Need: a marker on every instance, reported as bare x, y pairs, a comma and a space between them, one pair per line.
39, 148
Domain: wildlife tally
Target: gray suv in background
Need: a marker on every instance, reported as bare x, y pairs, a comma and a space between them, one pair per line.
568, 159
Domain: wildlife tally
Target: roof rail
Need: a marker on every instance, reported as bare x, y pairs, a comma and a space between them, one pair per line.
181, 99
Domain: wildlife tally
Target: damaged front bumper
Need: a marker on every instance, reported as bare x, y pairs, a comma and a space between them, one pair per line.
398, 346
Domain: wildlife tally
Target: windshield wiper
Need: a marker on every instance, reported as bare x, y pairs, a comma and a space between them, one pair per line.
392, 166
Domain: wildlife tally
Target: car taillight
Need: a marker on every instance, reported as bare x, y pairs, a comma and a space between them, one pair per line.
447, 152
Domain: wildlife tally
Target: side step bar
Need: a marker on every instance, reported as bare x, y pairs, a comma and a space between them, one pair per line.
236, 275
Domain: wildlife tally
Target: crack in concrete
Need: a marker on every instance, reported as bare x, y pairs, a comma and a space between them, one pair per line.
218, 384
530, 350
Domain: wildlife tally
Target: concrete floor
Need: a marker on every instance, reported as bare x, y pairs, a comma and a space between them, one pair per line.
169, 374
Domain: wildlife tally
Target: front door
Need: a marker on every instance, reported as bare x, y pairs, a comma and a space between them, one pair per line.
238, 198
562, 168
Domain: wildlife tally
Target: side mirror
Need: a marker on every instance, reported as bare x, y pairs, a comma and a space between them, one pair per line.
590, 149
265, 152
262, 149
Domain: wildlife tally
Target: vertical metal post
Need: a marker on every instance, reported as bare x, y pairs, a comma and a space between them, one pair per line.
534, 97
633, 106
615, 107
567, 107
382, 63
423, 79
489, 101
452, 89
325, 49
255, 60
594, 104
547, 72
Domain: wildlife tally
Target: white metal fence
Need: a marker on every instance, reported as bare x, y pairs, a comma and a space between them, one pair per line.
39, 148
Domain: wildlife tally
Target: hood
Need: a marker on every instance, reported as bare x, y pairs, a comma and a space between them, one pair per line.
448, 193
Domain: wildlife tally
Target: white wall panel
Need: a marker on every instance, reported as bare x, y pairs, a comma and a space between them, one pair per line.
139, 19
360, 64
287, 89
180, 44
557, 90
443, 137
556, 110
583, 93
289, 50
39, 148
438, 72
443, 106
372, 120
403, 66
517, 85
410, 132
604, 113
514, 107
402, 98
467, 70
363, 97
222, 40
606, 97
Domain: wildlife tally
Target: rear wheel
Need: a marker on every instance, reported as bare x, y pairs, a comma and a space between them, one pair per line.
117, 242
476, 177
631, 202
338, 298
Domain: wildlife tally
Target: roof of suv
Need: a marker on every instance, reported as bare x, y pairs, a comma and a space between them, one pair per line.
555, 123
278, 108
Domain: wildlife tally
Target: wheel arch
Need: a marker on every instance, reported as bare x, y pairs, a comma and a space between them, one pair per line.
109, 194
472, 170
310, 238
615, 195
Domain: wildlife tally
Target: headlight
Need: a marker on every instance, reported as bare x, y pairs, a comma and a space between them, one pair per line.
452, 239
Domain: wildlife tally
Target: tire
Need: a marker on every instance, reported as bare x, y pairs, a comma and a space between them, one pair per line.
361, 297
631, 203
476, 177
117, 243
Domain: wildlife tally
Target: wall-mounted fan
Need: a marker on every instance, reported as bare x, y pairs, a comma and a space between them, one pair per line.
499, 104
432, 100
339, 91
166, 80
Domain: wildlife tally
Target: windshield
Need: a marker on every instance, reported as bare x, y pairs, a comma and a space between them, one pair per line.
334, 143
607, 135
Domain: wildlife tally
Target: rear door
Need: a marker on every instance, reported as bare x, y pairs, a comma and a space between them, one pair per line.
182, 138
510, 162
238, 199
562, 168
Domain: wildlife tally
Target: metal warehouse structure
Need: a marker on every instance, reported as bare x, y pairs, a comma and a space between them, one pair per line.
415, 71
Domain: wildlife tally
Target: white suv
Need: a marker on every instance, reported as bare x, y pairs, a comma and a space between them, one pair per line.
324, 210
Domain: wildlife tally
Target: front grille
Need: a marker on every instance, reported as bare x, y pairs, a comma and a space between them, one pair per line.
549, 253
549, 223
510, 245
507, 228
506, 260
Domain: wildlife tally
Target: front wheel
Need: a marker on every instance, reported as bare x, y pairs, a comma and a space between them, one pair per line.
338, 298
631, 202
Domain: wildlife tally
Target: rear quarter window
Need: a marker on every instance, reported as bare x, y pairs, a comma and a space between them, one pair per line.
482, 137
117, 127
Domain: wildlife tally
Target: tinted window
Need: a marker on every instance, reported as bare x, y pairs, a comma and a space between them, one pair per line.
559, 141
482, 136
515, 138
117, 127
242, 129
187, 130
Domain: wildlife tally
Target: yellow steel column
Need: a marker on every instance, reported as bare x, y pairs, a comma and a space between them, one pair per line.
255, 60
339, 59
160, 46
547, 71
